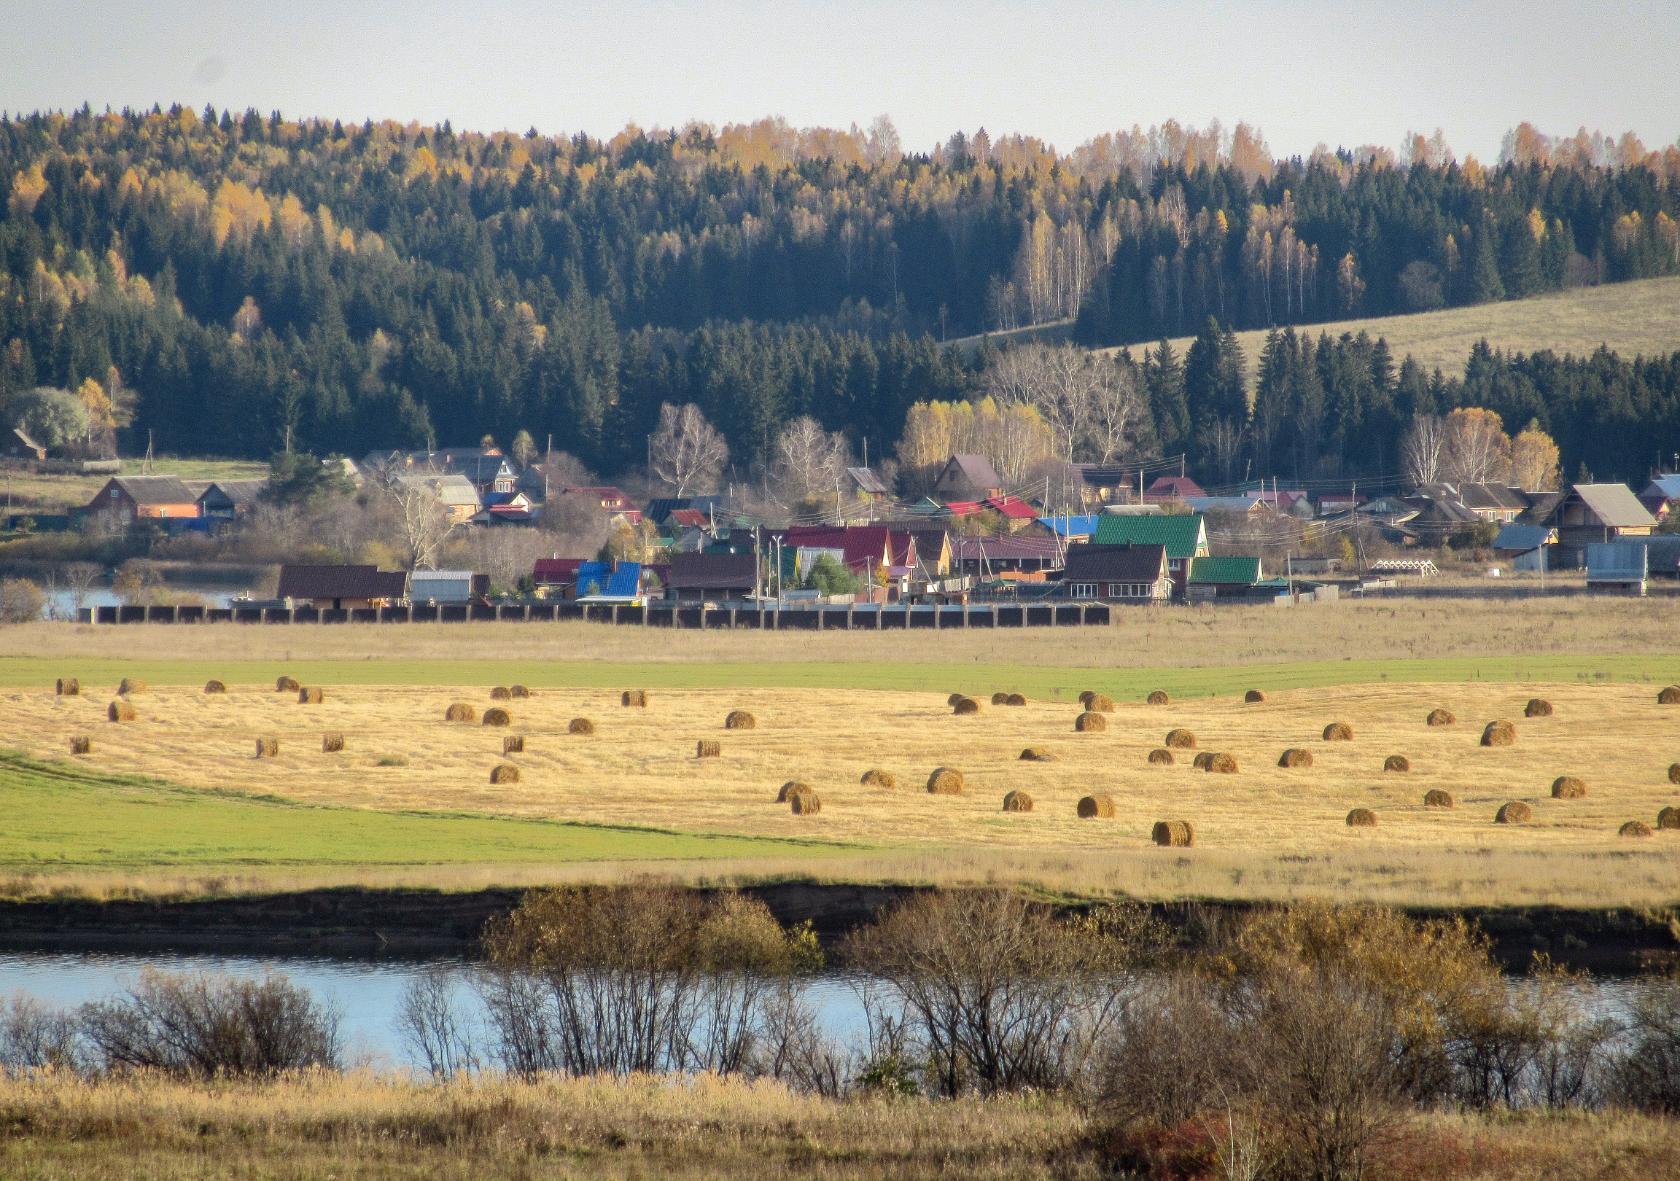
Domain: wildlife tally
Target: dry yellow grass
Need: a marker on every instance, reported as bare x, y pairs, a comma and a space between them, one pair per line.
1272, 833
1171, 639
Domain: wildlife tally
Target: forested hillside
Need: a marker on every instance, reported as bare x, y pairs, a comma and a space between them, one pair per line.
235, 283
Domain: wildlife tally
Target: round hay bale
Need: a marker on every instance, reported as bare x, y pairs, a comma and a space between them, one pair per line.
1202, 760
1362, 818
1436, 798
513, 744
81, 744
1515, 812
268, 747
497, 716
804, 803
1000, 699
1338, 732
634, 698
1674, 772
1095, 807
1037, 754
1499, 734
580, 726
739, 719
214, 687
1180, 740
1668, 818
1158, 697
1537, 707
1295, 757
285, 685
1634, 828
131, 685
965, 707
1161, 757
790, 789
68, 687
875, 777
1085, 698
1440, 717
120, 711
518, 692
1567, 787
1173, 834
504, 773
945, 781
1222, 764
460, 711
1016, 699
1090, 723
1099, 703
501, 693
954, 698
1017, 801
1669, 696
310, 696
1397, 763
1254, 697
708, 748
332, 743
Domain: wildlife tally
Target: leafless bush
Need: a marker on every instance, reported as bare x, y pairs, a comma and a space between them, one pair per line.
36, 1037
429, 1023
636, 979
1648, 1076
201, 1026
995, 993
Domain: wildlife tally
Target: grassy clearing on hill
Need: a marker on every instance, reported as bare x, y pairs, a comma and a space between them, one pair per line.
1641, 317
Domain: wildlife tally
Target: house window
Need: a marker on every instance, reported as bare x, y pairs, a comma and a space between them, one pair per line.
1084, 590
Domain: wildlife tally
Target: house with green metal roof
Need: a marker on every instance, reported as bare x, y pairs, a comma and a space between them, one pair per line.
1230, 576
1183, 534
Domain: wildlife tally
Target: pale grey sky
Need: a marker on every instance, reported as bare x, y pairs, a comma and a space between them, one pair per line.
1308, 71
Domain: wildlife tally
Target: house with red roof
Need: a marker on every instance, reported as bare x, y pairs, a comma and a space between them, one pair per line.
1172, 488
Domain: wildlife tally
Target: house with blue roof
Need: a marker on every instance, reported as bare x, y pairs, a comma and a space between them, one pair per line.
609, 582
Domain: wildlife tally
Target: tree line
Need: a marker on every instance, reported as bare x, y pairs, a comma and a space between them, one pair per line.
241, 284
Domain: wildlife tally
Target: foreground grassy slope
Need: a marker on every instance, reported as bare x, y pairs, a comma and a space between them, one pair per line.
62, 817
56, 493
366, 1128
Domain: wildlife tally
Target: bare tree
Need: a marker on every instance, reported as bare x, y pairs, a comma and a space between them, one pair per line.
1116, 409
507, 554
423, 522
1423, 449
685, 450
810, 462
1090, 405
79, 578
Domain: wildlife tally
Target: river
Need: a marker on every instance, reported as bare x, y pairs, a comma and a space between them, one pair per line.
364, 993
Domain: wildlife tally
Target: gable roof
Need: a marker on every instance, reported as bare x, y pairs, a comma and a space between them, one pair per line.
555, 571
452, 488
1225, 571
860, 546
1522, 538
1011, 508
1492, 496
1183, 534
1115, 563
1071, 524
235, 491
1009, 548
1171, 486
1663, 487
976, 470
712, 571
341, 582
160, 489
611, 580
1614, 505
867, 481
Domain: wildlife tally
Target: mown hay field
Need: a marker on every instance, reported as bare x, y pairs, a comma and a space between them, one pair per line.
639, 768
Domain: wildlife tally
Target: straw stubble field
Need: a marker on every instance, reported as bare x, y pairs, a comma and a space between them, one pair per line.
1263, 831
